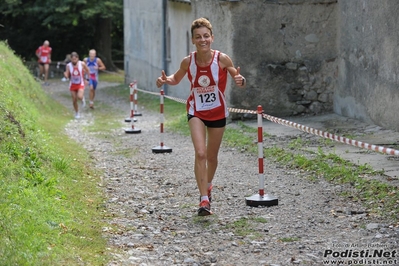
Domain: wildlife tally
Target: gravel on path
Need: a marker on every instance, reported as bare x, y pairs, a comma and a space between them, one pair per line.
152, 202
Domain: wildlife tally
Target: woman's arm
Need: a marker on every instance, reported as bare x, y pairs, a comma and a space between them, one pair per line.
175, 78
226, 63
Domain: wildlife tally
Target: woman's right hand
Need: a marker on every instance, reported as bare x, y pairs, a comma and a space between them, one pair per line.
162, 79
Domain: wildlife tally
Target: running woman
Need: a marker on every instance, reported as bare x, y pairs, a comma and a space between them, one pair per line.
207, 71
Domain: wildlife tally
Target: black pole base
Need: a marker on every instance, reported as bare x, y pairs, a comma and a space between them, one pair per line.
128, 119
132, 130
161, 149
258, 200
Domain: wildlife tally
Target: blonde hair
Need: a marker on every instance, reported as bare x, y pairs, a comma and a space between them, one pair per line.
201, 22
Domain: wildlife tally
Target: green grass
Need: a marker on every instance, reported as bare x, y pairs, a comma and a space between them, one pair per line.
205, 221
50, 204
118, 77
105, 121
237, 138
289, 239
243, 227
381, 199
247, 227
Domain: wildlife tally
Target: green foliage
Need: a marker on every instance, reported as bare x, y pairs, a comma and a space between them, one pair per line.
49, 200
32, 22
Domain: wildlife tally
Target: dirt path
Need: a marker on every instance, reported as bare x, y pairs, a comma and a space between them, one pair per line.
152, 203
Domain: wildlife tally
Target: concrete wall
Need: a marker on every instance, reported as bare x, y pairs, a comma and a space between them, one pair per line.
368, 65
179, 18
143, 30
144, 42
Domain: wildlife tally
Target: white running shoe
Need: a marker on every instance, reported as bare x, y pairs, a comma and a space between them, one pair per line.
77, 115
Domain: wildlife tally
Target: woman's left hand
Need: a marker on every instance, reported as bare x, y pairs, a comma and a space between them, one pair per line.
239, 79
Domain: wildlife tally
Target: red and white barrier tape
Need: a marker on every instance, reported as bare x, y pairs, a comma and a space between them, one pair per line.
307, 129
331, 136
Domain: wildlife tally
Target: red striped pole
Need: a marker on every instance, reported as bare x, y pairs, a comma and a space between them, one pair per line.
136, 112
260, 153
132, 130
261, 199
162, 120
162, 148
132, 87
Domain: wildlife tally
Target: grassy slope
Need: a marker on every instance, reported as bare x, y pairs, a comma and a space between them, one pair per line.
50, 199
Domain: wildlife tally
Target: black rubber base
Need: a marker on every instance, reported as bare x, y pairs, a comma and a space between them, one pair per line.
258, 200
161, 149
128, 119
132, 131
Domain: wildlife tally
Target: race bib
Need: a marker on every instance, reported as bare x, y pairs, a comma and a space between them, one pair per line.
206, 98
43, 59
76, 78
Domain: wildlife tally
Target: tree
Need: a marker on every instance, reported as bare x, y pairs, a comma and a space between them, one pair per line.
77, 25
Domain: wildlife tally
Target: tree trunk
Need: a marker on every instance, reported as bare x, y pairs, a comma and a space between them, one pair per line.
103, 42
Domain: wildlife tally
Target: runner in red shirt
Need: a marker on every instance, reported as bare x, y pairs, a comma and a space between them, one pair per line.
207, 71
75, 72
43, 54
